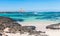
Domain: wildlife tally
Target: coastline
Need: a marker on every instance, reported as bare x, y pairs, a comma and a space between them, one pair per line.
41, 26
39, 23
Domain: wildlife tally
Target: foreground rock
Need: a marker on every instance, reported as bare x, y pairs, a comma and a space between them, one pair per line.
31, 31
35, 32
10, 23
53, 26
9, 27
0, 34
27, 29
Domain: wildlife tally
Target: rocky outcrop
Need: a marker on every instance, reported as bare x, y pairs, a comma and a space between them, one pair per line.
27, 29
35, 32
8, 22
31, 30
0, 34
53, 26
10, 26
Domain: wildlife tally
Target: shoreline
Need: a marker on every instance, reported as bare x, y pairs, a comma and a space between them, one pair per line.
41, 26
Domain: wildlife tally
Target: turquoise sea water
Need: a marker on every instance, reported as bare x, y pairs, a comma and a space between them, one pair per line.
31, 16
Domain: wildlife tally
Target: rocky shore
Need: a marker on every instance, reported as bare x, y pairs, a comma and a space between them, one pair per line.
8, 26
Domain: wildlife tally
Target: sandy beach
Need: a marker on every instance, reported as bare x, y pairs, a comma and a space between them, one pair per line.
42, 27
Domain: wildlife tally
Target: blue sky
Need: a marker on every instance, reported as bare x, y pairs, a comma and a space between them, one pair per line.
34, 5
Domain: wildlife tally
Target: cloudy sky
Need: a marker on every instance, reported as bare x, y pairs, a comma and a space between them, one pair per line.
28, 5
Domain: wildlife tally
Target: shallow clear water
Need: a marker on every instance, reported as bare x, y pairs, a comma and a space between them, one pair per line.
33, 16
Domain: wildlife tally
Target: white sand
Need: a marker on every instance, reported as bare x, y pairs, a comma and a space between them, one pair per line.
12, 34
41, 25
53, 32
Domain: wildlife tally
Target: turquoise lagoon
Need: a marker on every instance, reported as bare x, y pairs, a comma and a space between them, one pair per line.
32, 16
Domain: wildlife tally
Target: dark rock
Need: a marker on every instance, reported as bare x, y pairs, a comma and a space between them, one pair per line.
27, 29
0, 34
34, 32
5, 19
8, 22
53, 26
